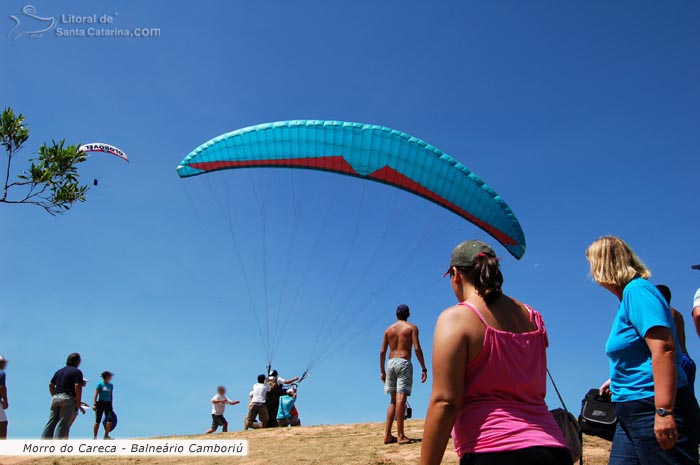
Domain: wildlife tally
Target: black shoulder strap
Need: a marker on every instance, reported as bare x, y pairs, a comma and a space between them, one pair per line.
563, 404
556, 389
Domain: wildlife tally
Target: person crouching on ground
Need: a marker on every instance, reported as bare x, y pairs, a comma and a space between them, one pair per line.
257, 403
285, 412
658, 416
218, 407
489, 373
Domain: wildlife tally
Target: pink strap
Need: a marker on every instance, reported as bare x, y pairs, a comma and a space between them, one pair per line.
476, 312
534, 317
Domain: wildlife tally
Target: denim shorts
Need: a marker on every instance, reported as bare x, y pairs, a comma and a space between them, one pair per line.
399, 376
635, 441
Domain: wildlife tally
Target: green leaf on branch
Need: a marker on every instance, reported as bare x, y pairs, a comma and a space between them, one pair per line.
52, 180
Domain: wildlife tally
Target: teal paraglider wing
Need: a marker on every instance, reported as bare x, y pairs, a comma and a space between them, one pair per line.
366, 151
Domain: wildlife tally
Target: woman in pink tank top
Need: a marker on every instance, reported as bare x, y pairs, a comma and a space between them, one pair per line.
489, 373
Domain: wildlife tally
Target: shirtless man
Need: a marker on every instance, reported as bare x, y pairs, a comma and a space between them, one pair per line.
399, 338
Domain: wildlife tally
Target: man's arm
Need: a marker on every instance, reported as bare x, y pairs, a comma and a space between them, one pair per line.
679, 323
382, 357
419, 355
52, 389
78, 393
3, 396
94, 399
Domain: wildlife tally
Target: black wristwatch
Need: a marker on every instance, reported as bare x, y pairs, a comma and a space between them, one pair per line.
425, 370
662, 412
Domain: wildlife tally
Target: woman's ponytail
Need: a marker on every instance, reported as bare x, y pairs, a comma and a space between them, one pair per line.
485, 275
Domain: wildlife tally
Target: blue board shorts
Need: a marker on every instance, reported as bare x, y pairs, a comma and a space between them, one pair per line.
399, 376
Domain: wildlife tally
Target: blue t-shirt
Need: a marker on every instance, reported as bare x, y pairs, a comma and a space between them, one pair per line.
642, 308
104, 392
285, 408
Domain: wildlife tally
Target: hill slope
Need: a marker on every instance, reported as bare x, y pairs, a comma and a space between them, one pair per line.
356, 444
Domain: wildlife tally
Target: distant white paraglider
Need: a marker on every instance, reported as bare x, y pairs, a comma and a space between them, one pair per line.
106, 148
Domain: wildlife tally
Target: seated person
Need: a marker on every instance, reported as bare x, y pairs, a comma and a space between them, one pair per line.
285, 415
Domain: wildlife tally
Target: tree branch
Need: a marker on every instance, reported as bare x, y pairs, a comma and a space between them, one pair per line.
7, 173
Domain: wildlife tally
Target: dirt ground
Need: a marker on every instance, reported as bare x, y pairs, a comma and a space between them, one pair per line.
357, 444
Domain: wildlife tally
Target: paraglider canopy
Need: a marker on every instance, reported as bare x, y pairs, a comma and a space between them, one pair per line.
105, 148
365, 151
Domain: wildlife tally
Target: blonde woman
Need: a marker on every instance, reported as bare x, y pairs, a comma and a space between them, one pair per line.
658, 416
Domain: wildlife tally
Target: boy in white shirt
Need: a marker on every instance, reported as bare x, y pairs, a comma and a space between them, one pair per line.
218, 406
257, 406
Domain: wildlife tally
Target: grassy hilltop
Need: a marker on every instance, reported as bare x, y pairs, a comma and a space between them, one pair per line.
355, 444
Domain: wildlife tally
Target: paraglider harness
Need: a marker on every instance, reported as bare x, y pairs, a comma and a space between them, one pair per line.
276, 390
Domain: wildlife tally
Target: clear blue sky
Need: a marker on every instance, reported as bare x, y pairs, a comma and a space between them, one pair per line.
582, 115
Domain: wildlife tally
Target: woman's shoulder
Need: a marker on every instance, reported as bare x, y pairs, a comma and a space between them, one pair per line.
519, 303
640, 289
638, 284
460, 315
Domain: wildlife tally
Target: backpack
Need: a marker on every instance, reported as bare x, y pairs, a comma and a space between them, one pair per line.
598, 416
275, 390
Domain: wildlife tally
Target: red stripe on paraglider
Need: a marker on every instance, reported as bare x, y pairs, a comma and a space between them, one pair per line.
393, 177
333, 163
338, 164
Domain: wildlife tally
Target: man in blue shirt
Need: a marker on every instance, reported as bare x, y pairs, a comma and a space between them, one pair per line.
285, 415
66, 388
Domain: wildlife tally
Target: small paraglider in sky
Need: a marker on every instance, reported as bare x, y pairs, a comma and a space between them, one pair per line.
105, 148
696, 267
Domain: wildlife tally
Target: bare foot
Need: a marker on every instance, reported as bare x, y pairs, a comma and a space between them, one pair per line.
391, 440
403, 440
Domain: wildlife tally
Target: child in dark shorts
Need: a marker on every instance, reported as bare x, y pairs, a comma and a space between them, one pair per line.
218, 406
104, 396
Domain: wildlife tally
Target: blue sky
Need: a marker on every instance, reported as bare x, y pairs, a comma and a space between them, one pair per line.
582, 115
